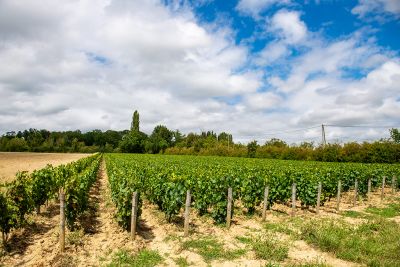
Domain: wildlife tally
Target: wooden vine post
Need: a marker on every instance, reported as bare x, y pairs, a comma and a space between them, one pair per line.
318, 197
264, 211
134, 214
62, 220
339, 188
229, 208
355, 192
369, 189
394, 184
383, 187
293, 199
187, 212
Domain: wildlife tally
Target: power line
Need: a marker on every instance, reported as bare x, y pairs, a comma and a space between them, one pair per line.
361, 126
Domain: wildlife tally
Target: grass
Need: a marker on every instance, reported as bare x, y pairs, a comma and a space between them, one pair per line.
374, 243
314, 263
144, 258
182, 262
392, 210
211, 249
76, 238
355, 214
266, 247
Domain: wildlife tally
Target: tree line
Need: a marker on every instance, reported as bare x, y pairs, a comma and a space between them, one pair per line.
163, 140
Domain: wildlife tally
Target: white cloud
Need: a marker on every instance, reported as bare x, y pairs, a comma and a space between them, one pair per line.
377, 8
262, 101
85, 65
289, 26
90, 64
271, 53
255, 7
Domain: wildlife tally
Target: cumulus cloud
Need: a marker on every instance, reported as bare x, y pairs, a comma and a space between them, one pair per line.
289, 26
88, 65
377, 8
67, 65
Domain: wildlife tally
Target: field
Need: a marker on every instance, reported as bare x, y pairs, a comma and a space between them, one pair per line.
12, 162
357, 235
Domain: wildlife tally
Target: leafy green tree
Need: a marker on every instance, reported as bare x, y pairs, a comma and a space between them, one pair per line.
252, 149
17, 144
160, 139
133, 142
276, 142
395, 135
135, 122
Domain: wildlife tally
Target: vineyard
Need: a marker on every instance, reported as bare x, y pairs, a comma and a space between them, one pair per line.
28, 192
164, 180
119, 192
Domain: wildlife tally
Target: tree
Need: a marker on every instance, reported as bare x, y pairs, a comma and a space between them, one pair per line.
252, 149
135, 122
395, 135
160, 139
276, 142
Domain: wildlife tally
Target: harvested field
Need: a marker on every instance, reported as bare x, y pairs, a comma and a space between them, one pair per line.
12, 162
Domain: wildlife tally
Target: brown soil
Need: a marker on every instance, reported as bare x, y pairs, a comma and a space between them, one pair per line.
12, 162
37, 245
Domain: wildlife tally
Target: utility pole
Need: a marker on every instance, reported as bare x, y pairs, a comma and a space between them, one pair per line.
323, 135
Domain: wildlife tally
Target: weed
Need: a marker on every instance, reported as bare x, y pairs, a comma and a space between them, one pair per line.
315, 263
144, 258
269, 248
75, 238
375, 243
211, 249
353, 214
266, 247
182, 262
392, 210
172, 237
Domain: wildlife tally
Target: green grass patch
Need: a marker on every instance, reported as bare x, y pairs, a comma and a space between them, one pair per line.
270, 248
354, 214
392, 210
315, 263
144, 258
266, 247
375, 243
244, 239
211, 249
181, 262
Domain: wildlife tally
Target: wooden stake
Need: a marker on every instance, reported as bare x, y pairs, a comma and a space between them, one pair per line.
62, 220
319, 197
229, 208
369, 189
339, 187
38, 209
394, 184
134, 214
187, 212
264, 211
293, 199
383, 187
355, 192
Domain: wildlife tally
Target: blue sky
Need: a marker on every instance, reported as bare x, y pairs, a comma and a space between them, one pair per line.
255, 68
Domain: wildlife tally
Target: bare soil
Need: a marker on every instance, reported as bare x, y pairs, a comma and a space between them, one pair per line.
12, 162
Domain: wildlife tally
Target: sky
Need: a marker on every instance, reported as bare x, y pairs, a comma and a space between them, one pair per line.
255, 68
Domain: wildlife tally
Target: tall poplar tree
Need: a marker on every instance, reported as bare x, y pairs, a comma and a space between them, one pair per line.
135, 122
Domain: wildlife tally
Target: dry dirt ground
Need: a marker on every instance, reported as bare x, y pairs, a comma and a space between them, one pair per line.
12, 162
101, 237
